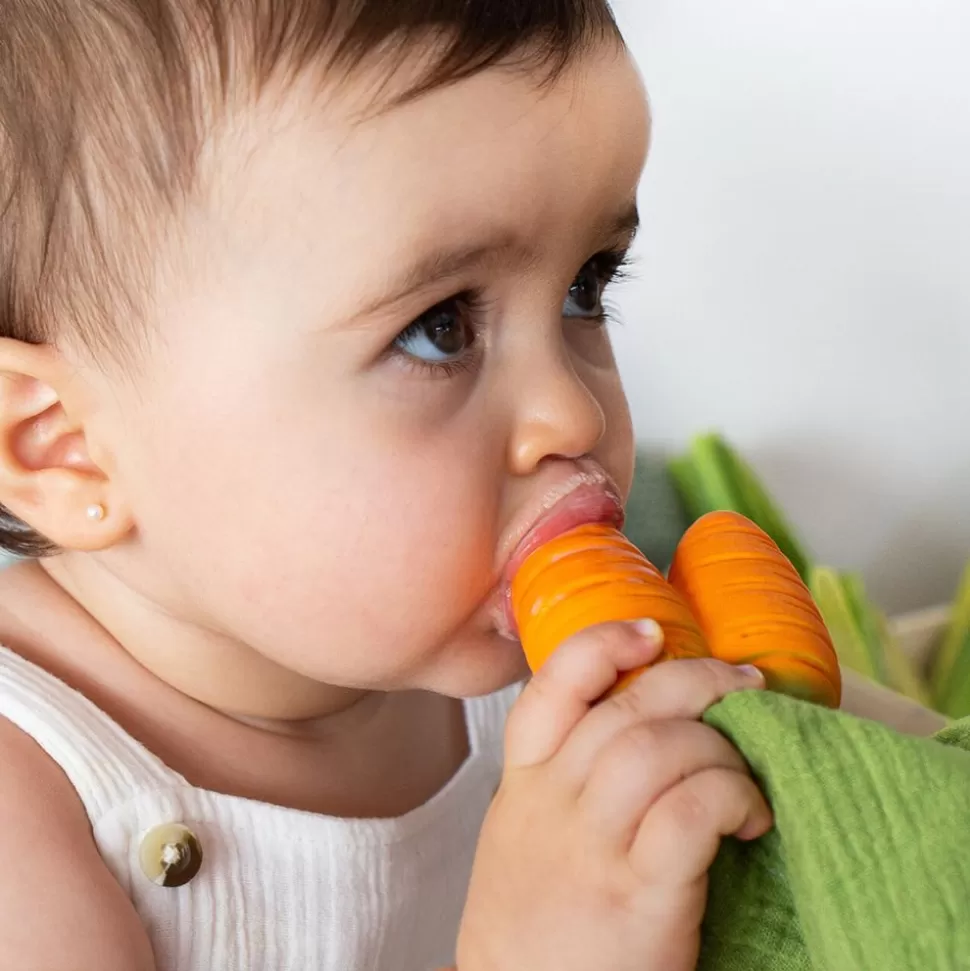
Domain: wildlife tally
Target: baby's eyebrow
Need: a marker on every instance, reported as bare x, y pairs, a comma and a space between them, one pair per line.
444, 263
627, 225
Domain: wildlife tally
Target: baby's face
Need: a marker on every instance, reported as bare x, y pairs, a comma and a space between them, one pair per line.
379, 350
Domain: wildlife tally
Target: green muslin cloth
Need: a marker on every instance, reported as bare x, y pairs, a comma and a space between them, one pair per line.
868, 866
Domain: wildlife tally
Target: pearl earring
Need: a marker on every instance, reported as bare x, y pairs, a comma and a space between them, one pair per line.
96, 512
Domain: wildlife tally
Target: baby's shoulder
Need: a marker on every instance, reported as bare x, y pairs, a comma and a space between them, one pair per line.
29, 777
43, 823
53, 876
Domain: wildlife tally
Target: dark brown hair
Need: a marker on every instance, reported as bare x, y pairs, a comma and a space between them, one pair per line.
101, 108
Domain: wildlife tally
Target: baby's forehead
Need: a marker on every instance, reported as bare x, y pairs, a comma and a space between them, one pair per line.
498, 124
110, 120
494, 163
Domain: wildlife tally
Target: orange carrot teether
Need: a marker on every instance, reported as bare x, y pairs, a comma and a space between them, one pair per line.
754, 608
591, 575
731, 594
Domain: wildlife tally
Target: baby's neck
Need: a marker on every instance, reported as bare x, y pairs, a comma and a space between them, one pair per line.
211, 666
377, 755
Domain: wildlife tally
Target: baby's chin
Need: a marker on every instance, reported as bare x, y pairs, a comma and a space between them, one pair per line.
477, 666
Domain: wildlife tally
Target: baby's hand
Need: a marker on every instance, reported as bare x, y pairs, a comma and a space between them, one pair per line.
595, 851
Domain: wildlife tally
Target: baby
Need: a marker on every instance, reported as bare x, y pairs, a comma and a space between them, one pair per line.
302, 336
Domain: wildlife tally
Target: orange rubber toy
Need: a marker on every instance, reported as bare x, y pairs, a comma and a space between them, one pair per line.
731, 594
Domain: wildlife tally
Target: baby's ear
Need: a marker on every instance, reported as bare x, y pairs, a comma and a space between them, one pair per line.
48, 478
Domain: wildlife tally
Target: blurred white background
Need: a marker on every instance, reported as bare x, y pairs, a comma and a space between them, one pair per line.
804, 274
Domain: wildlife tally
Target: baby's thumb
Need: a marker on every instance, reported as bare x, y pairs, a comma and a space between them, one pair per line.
574, 678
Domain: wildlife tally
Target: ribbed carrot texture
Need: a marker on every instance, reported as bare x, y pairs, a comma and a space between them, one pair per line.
591, 575
730, 594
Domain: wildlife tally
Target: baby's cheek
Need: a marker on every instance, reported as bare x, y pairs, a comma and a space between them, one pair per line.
438, 565
617, 451
392, 586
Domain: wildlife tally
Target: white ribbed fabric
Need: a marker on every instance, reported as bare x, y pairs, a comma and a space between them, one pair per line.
279, 889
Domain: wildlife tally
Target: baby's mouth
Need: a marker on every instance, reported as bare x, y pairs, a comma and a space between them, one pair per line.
591, 501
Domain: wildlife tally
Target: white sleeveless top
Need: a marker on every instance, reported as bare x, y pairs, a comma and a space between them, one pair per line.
278, 889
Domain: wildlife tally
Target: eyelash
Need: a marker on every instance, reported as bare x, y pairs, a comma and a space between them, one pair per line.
615, 265
612, 265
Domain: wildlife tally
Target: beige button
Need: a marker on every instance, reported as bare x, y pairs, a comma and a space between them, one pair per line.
170, 855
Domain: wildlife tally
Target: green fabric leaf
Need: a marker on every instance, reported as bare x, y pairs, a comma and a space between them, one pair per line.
868, 866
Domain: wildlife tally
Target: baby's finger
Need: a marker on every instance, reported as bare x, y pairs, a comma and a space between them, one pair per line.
682, 832
564, 689
641, 764
682, 689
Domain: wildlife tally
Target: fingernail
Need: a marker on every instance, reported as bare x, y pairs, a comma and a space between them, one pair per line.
751, 672
649, 630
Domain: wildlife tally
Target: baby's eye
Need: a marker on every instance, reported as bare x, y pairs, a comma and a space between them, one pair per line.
585, 298
441, 334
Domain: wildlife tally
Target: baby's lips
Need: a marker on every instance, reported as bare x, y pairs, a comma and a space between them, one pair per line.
586, 506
